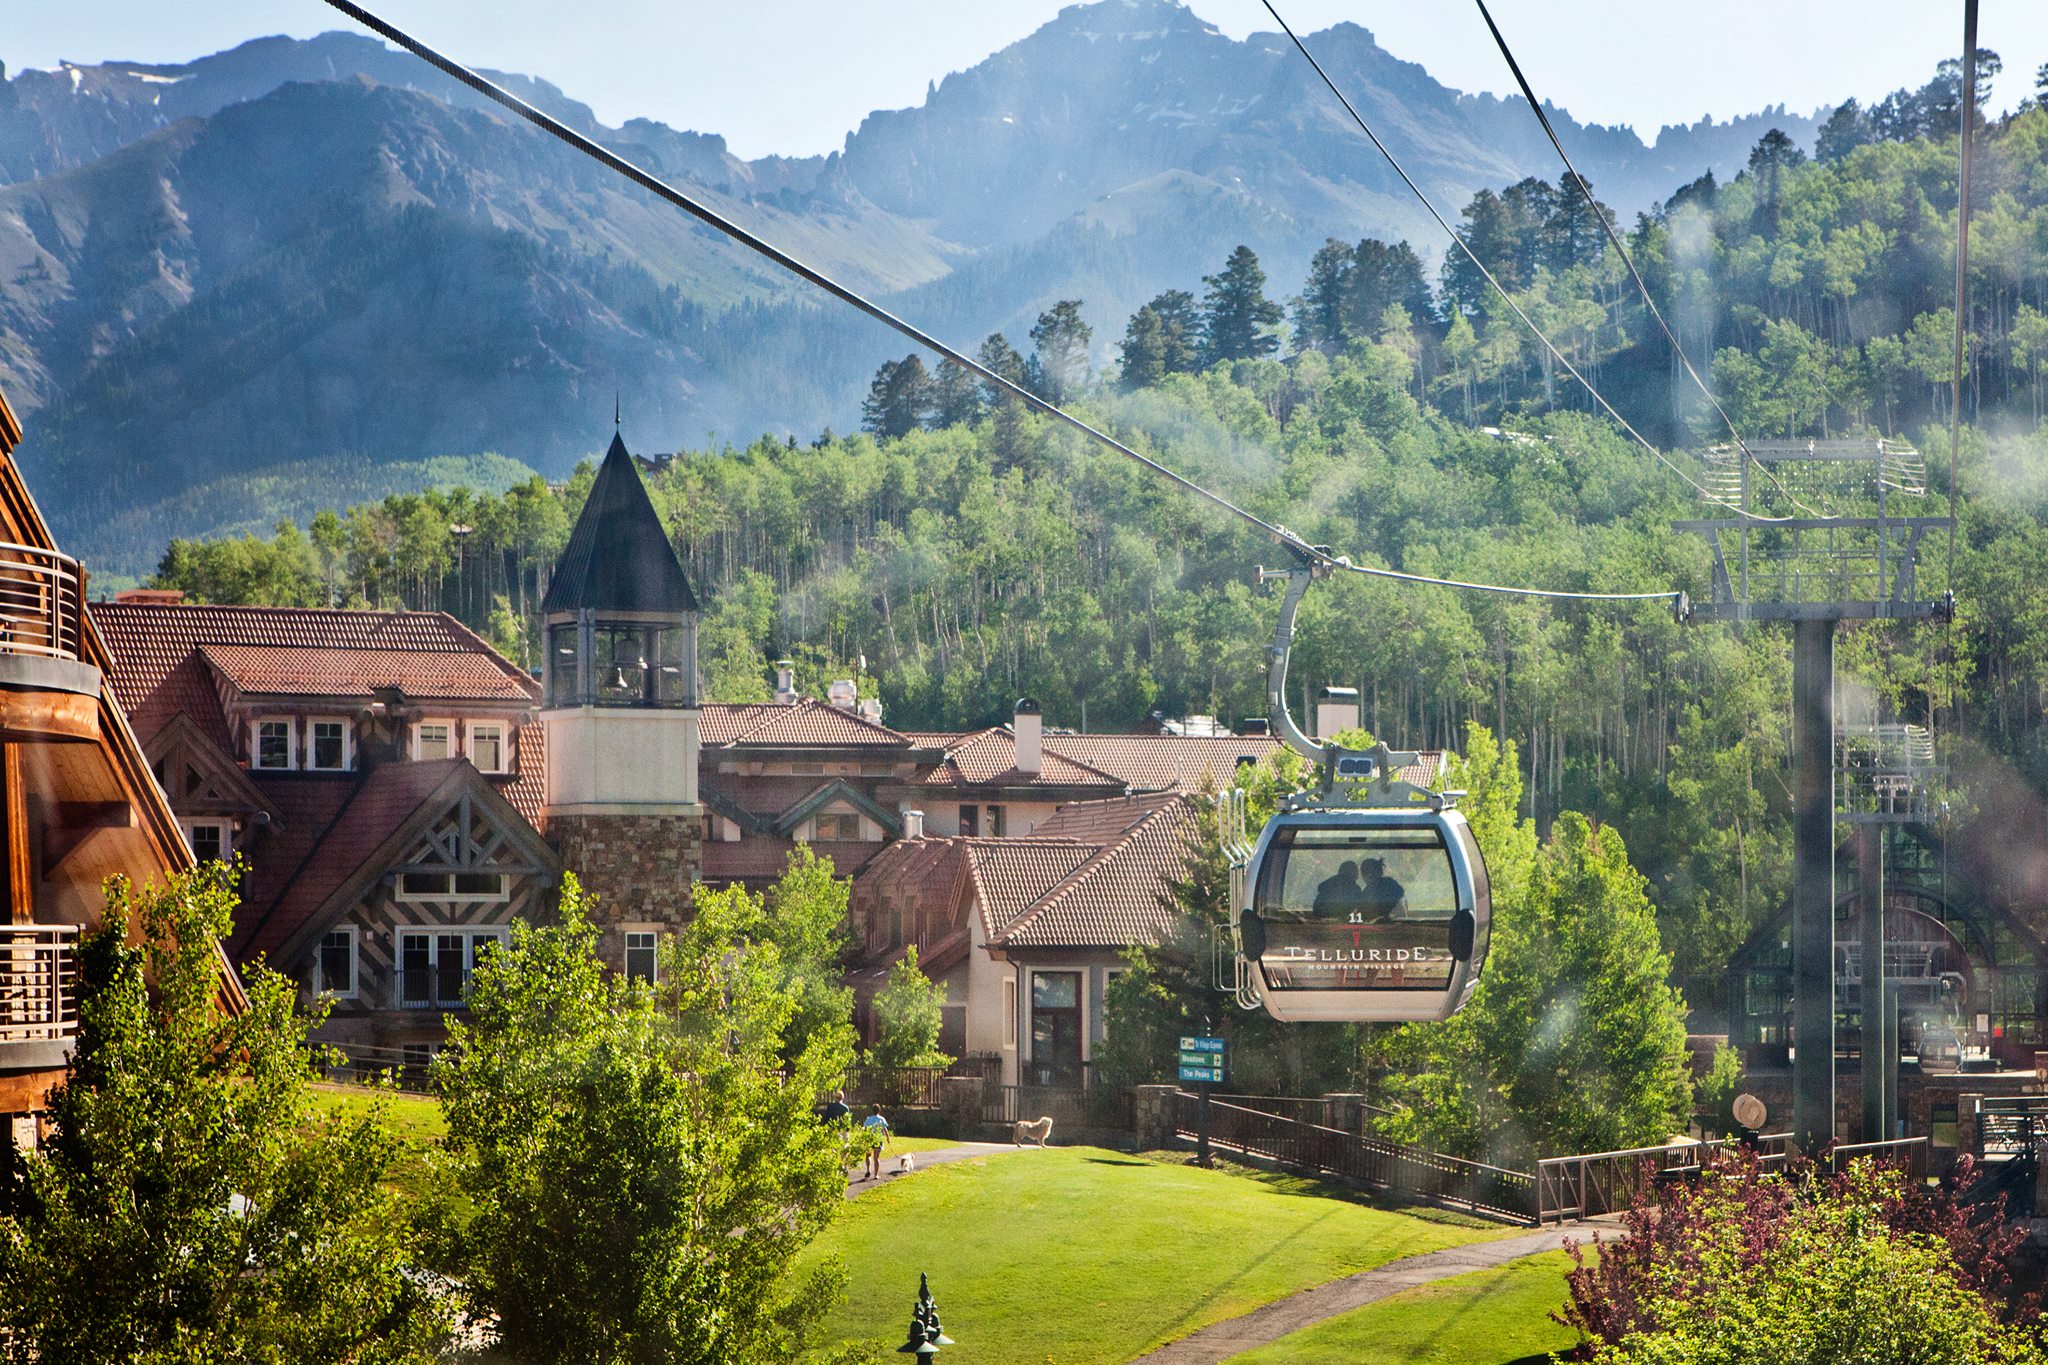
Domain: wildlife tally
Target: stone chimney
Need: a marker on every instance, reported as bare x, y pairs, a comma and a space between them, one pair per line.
1029, 725
785, 683
843, 694
870, 709
913, 824
1338, 710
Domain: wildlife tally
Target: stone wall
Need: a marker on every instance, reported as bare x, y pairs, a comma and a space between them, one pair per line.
642, 868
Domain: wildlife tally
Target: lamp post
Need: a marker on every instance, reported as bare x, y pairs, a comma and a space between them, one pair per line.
461, 533
925, 1336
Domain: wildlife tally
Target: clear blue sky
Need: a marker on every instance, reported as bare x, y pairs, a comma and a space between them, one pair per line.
795, 76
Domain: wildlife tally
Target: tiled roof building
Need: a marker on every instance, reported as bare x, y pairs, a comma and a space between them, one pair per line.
380, 772
1024, 932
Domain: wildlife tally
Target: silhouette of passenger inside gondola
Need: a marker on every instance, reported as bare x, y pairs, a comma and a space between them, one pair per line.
1385, 899
1341, 894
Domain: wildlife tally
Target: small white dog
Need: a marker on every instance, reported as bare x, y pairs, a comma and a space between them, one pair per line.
1041, 1129
905, 1164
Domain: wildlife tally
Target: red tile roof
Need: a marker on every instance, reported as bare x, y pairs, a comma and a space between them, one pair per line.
445, 675
810, 722
985, 758
1097, 874
761, 858
152, 645
382, 802
1164, 762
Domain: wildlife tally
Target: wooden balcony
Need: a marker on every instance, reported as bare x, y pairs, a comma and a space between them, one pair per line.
38, 1001
47, 690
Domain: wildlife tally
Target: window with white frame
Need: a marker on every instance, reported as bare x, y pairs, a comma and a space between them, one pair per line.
434, 884
432, 739
270, 744
641, 957
435, 965
334, 964
328, 747
208, 840
487, 747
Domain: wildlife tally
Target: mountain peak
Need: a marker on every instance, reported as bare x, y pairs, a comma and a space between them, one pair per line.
1128, 20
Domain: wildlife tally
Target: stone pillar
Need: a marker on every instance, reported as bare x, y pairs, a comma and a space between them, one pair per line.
1966, 1124
1344, 1112
960, 1102
1154, 1112
2040, 1071
641, 866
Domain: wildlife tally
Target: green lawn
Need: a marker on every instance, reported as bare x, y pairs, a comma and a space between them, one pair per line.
1080, 1255
417, 1120
1489, 1317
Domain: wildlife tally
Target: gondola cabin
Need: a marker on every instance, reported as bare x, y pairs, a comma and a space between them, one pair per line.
1362, 915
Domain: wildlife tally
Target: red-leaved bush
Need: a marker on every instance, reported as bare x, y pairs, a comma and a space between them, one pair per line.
1664, 1231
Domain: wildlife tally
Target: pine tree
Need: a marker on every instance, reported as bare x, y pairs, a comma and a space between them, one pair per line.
1179, 331
999, 355
1059, 358
898, 398
1383, 277
1846, 130
1236, 314
1319, 314
1143, 350
955, 396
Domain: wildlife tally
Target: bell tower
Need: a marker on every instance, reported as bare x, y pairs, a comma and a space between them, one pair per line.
620, 711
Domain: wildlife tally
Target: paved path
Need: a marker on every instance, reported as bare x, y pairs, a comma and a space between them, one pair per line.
1220, 1341
856, 1186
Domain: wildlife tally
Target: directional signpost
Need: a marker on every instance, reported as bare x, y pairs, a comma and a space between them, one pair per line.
1201, 1065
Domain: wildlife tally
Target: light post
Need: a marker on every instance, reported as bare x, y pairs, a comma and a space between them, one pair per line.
461, 533
925, 1336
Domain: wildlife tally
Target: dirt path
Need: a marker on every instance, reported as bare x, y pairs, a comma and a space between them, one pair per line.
856, 1186
1220, 1341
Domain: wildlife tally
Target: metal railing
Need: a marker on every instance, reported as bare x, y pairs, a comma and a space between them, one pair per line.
432, 988
1068, 1106
359, 1063
1594, 1183
38, 976
1493, 1191
1910, 1153
1305, 1108
42, 602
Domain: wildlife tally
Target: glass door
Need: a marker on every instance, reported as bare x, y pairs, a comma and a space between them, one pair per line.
1056, 1028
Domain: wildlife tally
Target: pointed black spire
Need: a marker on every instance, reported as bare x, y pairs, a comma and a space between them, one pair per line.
618, 557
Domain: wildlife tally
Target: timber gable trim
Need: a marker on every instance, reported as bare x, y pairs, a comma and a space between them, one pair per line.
184, 750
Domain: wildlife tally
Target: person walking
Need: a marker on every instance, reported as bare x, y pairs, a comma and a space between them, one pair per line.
876, 1124
834, 1109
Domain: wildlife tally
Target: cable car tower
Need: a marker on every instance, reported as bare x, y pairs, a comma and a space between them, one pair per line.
1815, 538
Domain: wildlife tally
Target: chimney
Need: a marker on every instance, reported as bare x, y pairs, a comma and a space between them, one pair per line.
843, 694
1338, 710
1255, 725
1029, 726
870, 709
154, 597
913, 824
785, 683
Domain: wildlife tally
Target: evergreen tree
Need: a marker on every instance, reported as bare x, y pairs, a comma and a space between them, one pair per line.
1180, 326
1320, 312
956, 396
1144, 350
1383, 277
1237, 317
1059, 355
1773, 156
898, 399
1845, 130
999, 355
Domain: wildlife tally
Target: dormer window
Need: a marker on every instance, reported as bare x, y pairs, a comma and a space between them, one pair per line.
271, 744
330, 748
487, 746
842, 826
432, 739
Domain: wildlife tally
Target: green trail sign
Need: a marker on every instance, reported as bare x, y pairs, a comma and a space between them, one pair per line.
1201, 1060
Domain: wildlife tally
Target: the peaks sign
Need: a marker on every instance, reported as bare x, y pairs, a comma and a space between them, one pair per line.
1201, 1061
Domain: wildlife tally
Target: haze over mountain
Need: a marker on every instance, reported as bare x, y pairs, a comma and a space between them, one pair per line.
298, 260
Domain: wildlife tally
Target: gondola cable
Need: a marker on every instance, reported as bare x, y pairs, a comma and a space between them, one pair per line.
1309, 554
1479, 265
1621, 249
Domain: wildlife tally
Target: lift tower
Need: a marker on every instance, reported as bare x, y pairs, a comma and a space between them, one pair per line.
1814, 539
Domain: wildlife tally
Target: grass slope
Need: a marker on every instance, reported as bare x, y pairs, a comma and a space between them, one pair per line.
1489, 1317
1079, 1255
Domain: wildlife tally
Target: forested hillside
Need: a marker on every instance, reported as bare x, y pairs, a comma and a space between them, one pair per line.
972, 553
